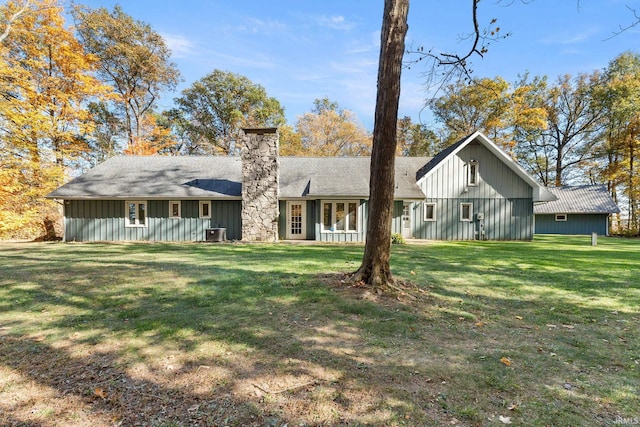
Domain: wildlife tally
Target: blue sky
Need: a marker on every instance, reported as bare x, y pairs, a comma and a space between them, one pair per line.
300, 50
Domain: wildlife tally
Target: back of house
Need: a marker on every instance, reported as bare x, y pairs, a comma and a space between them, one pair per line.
471, 190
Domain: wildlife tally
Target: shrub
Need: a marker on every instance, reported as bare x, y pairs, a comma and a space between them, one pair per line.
397, 239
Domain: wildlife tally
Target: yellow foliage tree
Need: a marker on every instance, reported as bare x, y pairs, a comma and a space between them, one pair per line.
153, 139
331, 131
45, 82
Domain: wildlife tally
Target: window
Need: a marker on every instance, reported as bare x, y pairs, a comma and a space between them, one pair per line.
136, 212
205, 209
466, 211
340, 216
561, 217
473, 173
429, 211
175, 209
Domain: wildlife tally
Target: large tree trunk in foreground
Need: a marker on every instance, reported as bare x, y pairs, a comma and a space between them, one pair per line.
375, 270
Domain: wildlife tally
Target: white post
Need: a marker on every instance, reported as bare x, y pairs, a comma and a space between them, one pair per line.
594, 239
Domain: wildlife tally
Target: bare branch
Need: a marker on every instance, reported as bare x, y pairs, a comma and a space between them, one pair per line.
454, 64
627, 27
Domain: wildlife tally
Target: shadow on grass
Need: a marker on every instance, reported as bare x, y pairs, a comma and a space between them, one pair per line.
249, 335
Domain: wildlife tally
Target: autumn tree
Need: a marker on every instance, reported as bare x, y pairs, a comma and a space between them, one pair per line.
47, 82
618, 160
133, 58
416, 139
574, 120
219, 105
329, 130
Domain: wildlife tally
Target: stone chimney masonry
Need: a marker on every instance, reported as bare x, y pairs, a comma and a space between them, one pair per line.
260, 185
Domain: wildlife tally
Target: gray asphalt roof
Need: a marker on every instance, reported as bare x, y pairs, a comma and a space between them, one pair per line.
580, 199
210, 177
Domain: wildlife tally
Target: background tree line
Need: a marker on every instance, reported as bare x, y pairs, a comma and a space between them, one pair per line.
75, 92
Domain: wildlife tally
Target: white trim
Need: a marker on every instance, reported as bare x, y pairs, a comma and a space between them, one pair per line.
562, 217
540, 193
334, 220
136, 213
175, 202
303, 226
200, 209
432, 204
462, 206
472, 173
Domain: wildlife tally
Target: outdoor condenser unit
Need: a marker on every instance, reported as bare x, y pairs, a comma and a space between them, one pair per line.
216, 234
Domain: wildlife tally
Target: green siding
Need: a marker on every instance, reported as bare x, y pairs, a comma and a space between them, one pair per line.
504, 198
346, 237
103, 220
504, 219
575, 224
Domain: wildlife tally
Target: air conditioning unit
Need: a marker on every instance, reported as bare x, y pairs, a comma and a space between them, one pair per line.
216, 234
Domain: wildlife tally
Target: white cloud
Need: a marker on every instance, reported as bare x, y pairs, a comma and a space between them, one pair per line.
336, 22
180, 45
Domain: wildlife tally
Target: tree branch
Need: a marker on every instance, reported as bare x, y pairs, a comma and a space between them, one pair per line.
458, 64
13, 18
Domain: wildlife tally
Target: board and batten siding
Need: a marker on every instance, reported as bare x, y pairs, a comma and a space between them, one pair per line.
504, 219
104, 220
575, 224
501, 196
341, 236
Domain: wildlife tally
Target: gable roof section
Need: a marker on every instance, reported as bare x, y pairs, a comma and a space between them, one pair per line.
540, 193
209, 177
580, 199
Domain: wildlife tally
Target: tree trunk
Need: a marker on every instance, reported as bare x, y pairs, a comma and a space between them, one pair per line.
375, 270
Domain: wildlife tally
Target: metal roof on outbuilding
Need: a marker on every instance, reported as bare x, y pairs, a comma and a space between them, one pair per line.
580, 199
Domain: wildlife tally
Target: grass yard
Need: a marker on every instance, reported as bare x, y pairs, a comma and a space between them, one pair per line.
540, 333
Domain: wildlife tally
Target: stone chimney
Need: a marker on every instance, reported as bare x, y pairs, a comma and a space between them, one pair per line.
260, 185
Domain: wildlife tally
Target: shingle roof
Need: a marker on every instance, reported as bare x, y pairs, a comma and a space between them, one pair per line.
581, 199
197, 177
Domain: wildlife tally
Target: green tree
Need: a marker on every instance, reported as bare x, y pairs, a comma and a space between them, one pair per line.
220, 104
133, 59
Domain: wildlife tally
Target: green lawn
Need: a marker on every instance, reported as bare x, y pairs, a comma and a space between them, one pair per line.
532, 333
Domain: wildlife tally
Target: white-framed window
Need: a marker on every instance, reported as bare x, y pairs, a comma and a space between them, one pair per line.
561, 217
175, 209
472, 179
466, 211
135, 213
205, 209
429, 211
340, 216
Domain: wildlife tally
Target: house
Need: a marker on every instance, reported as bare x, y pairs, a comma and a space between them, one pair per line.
582, 209
471, 190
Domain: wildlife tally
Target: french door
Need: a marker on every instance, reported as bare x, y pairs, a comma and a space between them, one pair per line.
296, 220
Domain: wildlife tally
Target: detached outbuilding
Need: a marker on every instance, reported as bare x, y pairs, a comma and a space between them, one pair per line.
582, 209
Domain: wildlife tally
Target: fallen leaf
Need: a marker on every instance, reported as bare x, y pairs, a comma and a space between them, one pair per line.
100, 393
568, 326
412, 272
513, 407
479, 324
519, 317
506, 361
504, 420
